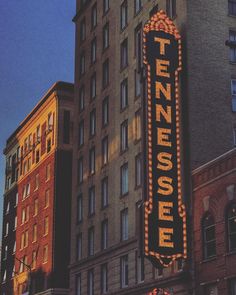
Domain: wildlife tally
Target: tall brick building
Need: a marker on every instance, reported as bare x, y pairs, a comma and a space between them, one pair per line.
106, 244
37, 198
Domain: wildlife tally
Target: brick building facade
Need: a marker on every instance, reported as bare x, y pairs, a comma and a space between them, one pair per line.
214, 226
37, 198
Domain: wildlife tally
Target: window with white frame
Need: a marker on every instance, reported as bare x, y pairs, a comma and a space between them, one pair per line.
91, 200
93, 50
90, 282
171, 8
124, 225
80, 208
233, 94
138, 170
79, 246
81, 133
124, 136
81, 98
124, 94
104, 238
124, 14
6, 229
104, 186
232, 45
105, 6
124, 54
104, 278
92, 160
105, 150
91, 241
94, 16
232, 7
137, 6
80, 170
78, 285
105, 111
124, 271
124, 179
7, 208
93, 86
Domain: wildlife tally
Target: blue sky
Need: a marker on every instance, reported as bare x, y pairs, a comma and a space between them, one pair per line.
36, 50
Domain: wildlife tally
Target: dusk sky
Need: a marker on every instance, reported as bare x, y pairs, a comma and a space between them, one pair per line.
36, 50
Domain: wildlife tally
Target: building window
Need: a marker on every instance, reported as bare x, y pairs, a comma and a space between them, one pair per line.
81, 99
124, 54
232, 47
80, 170
80, 208
34, 259
82, 64
66, 127
93, 50
47, 198
123, 15
124, 94
82, 30
91, 200
233, 94
93, 86
105, 6
49, 145
104, 278
105, 111
211, 290
139, 268
36, 186
91, 241
92, 160
137, 6
105, 36
94, 16
16, 200
105, 151
79, 246
104, 186
138, 170
92, 129
231, 230
15, 223
137, 125
36, 207
26, 238
48, 172
90, 282
232, 7
35, 230
124, 224
23, 216
14, 248
124, 136
78, 287
124, 271
37, 156
7, 229
137, 84
209, 240
104, 239
5, 252
124, 179
105, 73
232, 286
45, 254
46, 226
7, 208
171, 8
81, 133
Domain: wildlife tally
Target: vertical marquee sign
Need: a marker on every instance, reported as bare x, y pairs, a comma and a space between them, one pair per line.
165, 215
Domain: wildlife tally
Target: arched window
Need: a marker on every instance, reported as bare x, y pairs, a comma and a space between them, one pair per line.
209, 238
231, 227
